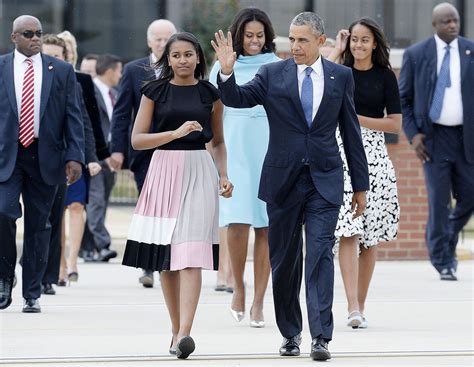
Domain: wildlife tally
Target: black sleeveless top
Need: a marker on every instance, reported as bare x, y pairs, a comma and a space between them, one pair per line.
176, 104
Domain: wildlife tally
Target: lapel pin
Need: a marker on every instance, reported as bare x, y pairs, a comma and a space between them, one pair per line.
331, 77
468, 52
50, 67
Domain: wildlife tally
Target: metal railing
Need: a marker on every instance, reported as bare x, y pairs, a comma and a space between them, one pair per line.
125, 190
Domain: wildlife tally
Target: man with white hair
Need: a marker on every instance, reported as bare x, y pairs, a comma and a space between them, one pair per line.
134, 75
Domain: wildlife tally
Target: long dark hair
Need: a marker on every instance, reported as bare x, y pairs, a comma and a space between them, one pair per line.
237, 29
163, 65
380, 56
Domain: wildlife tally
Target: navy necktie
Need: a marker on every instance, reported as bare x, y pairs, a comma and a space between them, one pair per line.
443, 82
307, 96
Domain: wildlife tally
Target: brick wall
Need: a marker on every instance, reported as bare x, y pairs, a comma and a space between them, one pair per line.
410, 244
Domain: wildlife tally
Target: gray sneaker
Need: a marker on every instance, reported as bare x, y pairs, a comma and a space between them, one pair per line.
147, 279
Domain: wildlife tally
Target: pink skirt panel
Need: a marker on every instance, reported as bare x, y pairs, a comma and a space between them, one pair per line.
161, 193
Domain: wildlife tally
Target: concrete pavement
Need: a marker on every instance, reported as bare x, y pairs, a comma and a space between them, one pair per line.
108, 319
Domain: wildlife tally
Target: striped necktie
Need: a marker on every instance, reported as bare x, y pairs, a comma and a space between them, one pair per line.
27, 113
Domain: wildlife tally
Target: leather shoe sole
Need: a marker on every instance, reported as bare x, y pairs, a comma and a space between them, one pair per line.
295, 352
320, 355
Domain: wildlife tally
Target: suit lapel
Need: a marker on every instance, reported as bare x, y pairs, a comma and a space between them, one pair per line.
464, 56
329, 80
48, 74
10, 82
431, 58
291, 82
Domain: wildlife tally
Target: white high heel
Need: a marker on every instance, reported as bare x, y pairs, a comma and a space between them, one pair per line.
237, 315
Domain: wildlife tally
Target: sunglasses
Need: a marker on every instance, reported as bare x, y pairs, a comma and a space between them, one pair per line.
31, 34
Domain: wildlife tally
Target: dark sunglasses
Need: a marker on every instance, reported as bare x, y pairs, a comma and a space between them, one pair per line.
31, 34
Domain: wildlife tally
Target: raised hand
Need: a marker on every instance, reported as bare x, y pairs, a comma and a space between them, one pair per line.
342, 40
224, 51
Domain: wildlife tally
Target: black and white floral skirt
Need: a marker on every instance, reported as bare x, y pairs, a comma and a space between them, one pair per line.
379, 223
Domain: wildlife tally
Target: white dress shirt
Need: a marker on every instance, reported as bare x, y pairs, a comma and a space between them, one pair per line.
153, 61
19, 69
451, 113
104, 91
317, 76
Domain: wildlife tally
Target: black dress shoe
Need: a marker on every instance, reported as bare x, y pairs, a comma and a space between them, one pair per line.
5, 292
448, 274
319, 350
47, 288
291, 346
31, 305
106, 254
88, 256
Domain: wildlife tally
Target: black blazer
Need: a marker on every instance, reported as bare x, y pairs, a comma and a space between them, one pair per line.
135, 74
417, 83
88, 92
292, 143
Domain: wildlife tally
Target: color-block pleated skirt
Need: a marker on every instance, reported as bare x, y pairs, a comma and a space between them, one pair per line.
175, 222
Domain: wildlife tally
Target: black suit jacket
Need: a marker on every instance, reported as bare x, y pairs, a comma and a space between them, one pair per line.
135, 74
88, 92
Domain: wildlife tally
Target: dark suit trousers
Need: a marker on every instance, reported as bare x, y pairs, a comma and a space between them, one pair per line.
304, 205
38, 198
447, 173
51, 274
140, 170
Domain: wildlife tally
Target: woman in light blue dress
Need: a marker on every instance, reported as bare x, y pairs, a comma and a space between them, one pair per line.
246, 135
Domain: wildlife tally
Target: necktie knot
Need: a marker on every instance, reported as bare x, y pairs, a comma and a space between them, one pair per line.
308, 71
29, 61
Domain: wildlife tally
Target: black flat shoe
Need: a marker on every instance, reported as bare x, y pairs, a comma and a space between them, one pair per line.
185, 347
291, 347
106, 254
319, 350
47, 288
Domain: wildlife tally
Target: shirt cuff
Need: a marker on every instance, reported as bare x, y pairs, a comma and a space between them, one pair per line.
224, 78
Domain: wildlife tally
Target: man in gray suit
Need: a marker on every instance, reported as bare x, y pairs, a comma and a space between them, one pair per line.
96, 236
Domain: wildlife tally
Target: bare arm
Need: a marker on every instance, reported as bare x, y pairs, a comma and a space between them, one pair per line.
219, 151
142, 139
388, 124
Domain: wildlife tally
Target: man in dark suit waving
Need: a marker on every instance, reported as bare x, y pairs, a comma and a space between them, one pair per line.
41, 146
436, 92
306, 98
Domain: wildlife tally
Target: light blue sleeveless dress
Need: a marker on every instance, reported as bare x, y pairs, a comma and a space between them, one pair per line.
246, 136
